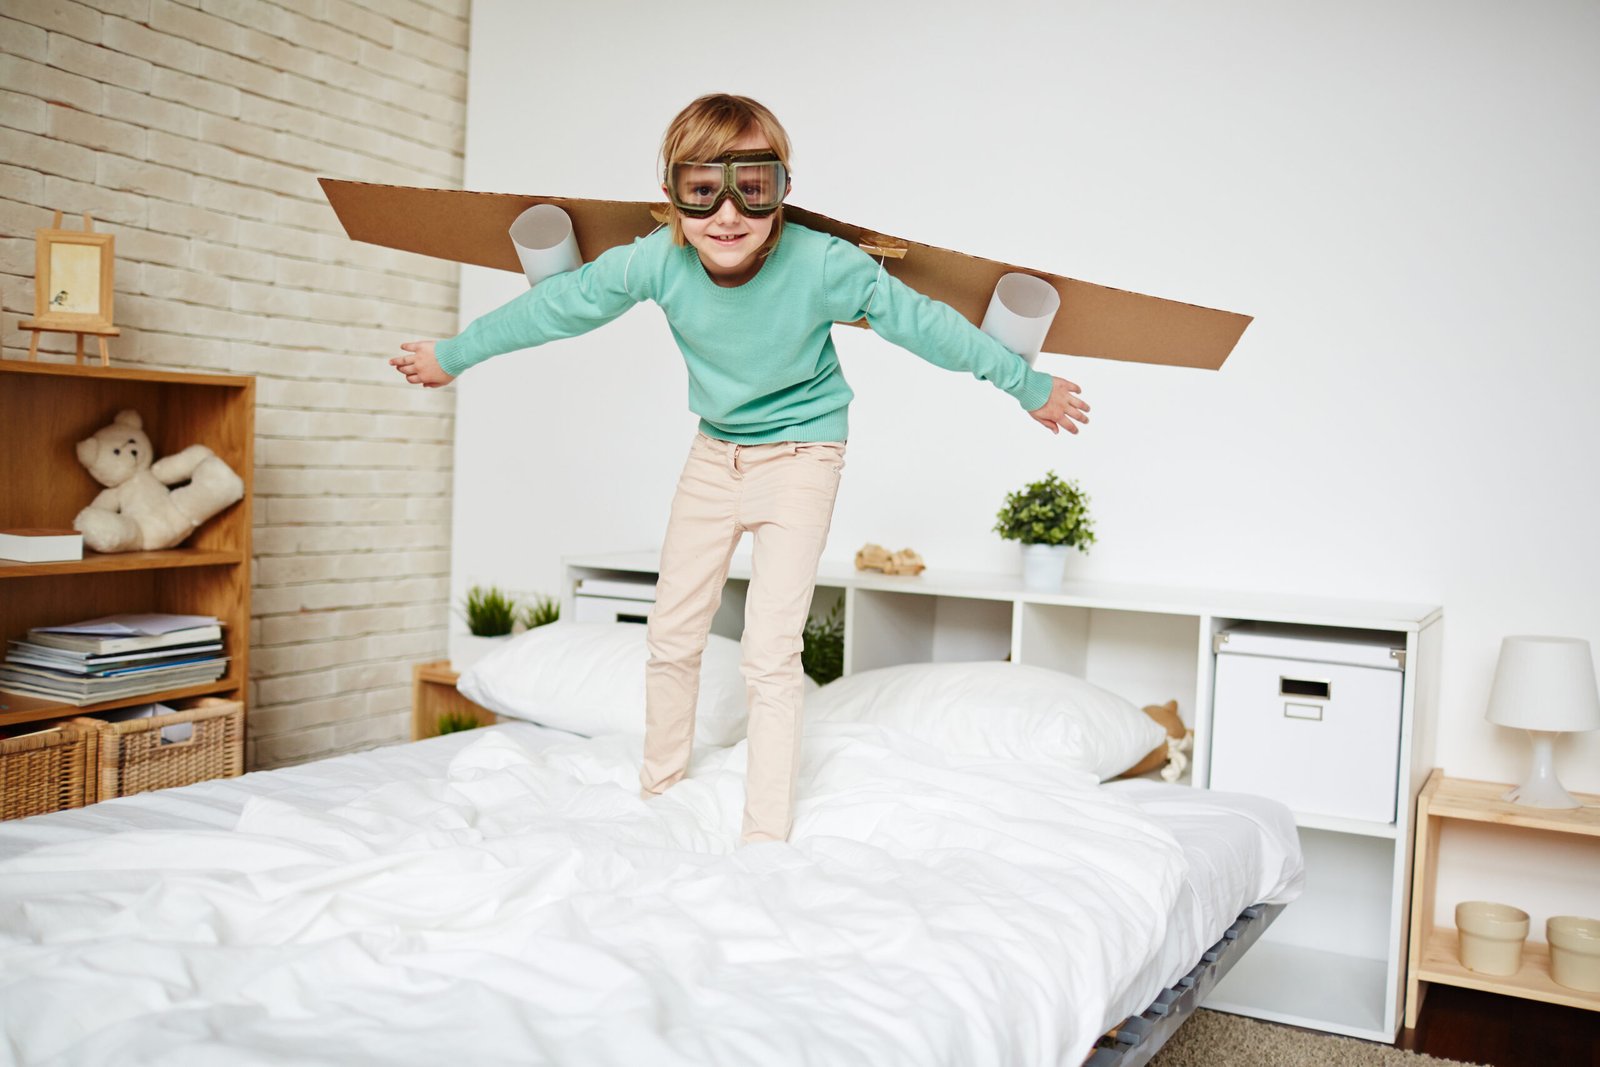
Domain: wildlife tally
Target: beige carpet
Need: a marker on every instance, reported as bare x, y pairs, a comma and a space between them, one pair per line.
1213, 1039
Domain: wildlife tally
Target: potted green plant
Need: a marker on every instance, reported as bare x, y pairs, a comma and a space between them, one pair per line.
540, 611
490, 615
1050, 517
822, 654
451, 722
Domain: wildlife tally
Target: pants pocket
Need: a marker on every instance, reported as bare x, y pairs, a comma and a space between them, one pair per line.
828, 453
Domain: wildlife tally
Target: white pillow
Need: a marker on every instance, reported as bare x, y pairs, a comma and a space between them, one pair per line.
996, 710
588, 677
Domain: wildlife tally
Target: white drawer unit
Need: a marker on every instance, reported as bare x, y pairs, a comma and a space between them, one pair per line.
613, 600
1311, 719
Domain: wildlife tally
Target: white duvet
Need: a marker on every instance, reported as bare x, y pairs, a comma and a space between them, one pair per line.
527, 907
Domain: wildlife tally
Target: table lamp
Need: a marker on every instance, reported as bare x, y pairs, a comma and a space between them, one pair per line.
1546, 686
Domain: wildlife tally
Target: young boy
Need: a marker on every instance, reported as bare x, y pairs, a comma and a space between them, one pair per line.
750, 302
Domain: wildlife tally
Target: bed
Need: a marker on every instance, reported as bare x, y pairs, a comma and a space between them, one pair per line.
503, 895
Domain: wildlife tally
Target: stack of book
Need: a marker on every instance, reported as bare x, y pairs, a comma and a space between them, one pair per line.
34, 545
113, 657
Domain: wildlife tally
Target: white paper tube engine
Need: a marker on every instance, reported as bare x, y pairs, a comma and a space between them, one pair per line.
1020, 313
545, 242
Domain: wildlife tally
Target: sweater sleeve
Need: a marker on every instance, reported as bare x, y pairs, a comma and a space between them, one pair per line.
926, 327
565, 305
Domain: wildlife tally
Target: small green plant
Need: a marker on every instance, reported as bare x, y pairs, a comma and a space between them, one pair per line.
540, 611
489, 612
1047, 512
450, 722
822, 655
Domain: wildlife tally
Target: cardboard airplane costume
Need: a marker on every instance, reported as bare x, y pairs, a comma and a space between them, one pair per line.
1094, 320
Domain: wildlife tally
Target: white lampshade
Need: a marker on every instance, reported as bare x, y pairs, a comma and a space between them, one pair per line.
1545, 683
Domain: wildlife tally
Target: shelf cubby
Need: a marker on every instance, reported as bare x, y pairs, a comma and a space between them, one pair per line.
45, 409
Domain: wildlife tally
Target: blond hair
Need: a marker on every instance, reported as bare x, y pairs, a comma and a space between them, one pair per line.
706, 129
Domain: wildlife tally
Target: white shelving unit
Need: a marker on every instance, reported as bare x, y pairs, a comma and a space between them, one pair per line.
1335, 959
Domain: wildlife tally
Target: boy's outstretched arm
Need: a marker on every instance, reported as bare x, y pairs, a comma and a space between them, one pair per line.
419, 367
1063, 407
565, 305
857, 287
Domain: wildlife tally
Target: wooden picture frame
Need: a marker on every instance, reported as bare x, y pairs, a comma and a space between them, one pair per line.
73, 287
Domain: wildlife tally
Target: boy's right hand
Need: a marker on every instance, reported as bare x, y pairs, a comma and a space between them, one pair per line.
1063, 408
419, 366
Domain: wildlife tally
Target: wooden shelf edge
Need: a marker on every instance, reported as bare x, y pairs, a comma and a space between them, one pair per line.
106, 563
438, 671
123, 372
17, 709
1441, 963
1474, 801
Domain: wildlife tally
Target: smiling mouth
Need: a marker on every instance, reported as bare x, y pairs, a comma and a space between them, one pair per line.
727, 239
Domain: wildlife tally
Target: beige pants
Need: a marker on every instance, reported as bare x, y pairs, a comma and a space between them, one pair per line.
783, 494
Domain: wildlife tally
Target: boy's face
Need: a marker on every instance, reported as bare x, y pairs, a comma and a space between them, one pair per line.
726, 240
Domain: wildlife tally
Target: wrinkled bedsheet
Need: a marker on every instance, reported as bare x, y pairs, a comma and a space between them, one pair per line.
521, 904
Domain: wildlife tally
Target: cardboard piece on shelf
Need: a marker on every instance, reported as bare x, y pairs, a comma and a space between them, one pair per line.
1095, 320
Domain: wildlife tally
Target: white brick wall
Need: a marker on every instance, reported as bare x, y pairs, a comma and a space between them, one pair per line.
195, 132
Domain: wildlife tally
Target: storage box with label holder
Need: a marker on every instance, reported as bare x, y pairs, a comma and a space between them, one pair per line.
614, 600
1310, 717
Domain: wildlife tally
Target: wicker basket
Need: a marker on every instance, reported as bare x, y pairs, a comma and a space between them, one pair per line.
135, 757
49, 771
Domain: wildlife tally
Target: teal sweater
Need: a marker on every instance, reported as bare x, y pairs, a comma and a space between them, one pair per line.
762, 365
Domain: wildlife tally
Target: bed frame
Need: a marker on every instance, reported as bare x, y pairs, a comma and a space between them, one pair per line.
1136, 1040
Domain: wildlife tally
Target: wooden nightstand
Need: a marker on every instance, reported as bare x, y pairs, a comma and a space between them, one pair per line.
433, 692
1433, 956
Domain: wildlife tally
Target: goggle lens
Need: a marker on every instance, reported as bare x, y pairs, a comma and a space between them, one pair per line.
696, 186
759, 185
756, 186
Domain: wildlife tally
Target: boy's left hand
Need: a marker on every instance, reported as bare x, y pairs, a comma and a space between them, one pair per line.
1062, 408
420, 366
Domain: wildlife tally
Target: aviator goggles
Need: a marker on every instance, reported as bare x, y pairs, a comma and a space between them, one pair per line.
756, 180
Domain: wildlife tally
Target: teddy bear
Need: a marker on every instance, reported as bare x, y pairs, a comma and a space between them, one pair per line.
138, 511
1171, 755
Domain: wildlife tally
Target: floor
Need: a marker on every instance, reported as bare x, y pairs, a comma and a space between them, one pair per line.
1464, 1024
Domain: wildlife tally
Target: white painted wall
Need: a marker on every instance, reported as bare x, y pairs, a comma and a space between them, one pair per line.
1402, 196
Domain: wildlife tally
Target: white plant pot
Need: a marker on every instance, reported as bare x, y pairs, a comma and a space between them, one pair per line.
467, 649
1043, 566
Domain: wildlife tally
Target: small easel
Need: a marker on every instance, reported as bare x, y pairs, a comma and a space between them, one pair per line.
96, 324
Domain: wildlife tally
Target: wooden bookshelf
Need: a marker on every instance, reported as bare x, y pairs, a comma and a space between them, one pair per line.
45, 409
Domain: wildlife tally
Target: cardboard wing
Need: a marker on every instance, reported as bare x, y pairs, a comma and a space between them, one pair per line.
1094, 320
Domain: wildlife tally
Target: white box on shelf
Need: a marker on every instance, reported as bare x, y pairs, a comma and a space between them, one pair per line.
1310, 718
36, 545
613, 600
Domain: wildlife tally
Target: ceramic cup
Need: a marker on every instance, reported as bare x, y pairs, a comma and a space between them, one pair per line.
1491, 936
1574, 951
